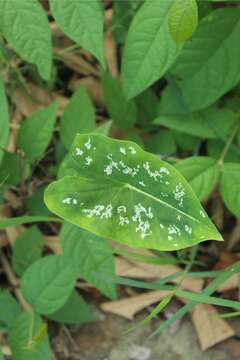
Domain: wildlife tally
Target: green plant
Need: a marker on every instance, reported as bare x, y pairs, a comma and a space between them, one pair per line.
175, 113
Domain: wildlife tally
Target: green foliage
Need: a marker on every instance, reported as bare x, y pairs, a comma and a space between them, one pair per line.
11, 309
183, 19
74, 312
48, 283
27, 249
25, 26
36, 132
4, 120
229, 187
82, 21
28, 338
92, 257
149, 50
157, 209
78, 117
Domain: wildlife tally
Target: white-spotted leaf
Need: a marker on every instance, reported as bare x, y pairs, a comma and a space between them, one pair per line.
183, 19
150, 49
201, 172
82, 21
25, 26
118, 191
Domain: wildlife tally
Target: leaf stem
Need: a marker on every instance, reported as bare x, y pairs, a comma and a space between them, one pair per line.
227, 146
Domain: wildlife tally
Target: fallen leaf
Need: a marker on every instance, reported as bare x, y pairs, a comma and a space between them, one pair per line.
210, 328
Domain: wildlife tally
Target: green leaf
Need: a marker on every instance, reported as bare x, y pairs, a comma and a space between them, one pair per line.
74, 312
35, 204
183, 19
104, 128
4, 119
147, 107
208, 66
78, 117
48, 283
122, 111
10, 169
27, 249
119, 191
172, 102
82, 21
149, 50
9, 309
201, 172
230, 187
36, 132
92, 255
1, 354
25, 26
28, 338
20, 220
162, 143
215, 149
210, 123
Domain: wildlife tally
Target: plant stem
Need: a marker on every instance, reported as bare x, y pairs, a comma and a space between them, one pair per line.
227, 146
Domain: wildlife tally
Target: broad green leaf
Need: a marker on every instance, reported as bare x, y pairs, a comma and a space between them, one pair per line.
104, 128
25, 26
183, 19
9, 309
201, 172
122, 111
147, 107
172, 102
36, 132
28, 338
149, 50
211, 123
4, 119
186, 142
230, 187
82, 21
92, 255
20, 220
74, 312
78, 117
48, 283
119, 191
209, 65
162, 143
27, 249
35, 204
10, 169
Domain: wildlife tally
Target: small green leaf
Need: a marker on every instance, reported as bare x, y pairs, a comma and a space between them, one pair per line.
149, 50
28, 338
35, 204
201, 172
82, 21
92, 257
147, 107
119, 191
172, 102
162, 143
27, 249
215, 148
1, 354
25, 26
208, 65
10, 307
36, 132
122, 111
230, 187
210, 123
74, 312
4, 119
183, 19
78, 117
10, 169
48, 283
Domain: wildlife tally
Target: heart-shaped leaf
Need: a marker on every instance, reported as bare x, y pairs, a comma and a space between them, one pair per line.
119, 191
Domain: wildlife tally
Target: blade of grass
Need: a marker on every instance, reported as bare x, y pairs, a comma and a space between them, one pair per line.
6, 222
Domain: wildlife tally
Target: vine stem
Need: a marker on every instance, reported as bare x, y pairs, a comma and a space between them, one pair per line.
227, 146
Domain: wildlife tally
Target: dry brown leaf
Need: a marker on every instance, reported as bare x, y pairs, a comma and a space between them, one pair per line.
3, 239
148, 271
111, 54
210, 329
232, 283
53, 243
128, 307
